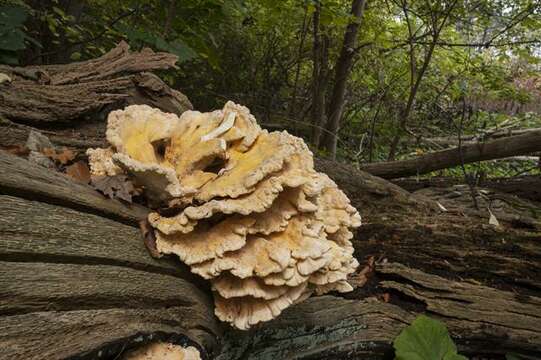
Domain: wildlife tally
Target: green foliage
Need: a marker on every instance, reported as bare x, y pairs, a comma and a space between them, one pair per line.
260, 53
425, 339
139, 38
12, 35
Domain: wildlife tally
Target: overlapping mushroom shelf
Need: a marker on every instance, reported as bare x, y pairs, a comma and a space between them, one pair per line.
246, 209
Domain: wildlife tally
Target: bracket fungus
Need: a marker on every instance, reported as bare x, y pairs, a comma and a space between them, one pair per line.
244, 208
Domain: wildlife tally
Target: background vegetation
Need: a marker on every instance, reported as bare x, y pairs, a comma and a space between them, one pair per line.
419, 70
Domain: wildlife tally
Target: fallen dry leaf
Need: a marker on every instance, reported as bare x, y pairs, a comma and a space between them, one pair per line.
149, 238
79, 171
386, 297
115, 187
19, 150
359, 278
493, 220
63, 157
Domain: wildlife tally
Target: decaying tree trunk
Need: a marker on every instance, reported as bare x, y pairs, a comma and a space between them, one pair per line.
76, 280
527, 143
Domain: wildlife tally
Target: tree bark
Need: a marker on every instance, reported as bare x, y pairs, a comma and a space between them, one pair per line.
343, 68
66, 93
512, 146
74, 282
319, 76
526, 187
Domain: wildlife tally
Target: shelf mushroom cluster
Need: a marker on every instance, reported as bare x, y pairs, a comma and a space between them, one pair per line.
245, 207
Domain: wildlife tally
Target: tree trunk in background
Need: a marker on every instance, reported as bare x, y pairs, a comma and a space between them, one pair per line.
304, 30
343, 68
418, 76
320, 60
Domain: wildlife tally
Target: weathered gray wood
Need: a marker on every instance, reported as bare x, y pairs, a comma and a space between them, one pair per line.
13, 134
73, 282
63, 93
21, 178
482, 320
96, 334
473, 311
324, 327
43, 286
40, 232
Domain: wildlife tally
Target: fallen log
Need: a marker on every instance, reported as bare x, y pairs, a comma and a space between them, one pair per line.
526, 187
63, 93
74, 284
71, 101
331, 328
512, 146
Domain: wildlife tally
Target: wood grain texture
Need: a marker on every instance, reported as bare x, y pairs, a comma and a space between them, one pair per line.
324, 327
96, 334
38, 232
22, 178
13, 134
64, 93
74, 284
482, 320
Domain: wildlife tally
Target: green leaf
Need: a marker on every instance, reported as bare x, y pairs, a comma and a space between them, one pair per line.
13, 40
12, 16
425, 339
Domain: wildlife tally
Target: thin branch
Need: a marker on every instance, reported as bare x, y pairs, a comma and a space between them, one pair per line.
95, 37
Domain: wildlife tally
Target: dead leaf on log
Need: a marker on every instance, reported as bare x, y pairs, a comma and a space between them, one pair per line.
149, 238
18, 150
115, 187
79, 171
359, 278
63, 157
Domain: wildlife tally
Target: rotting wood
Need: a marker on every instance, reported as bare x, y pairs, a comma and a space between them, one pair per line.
72, 283
13, 134
515, 145
325, 327
332, 328
26, 227
98, 334
63, 93
504, 319
526, 187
